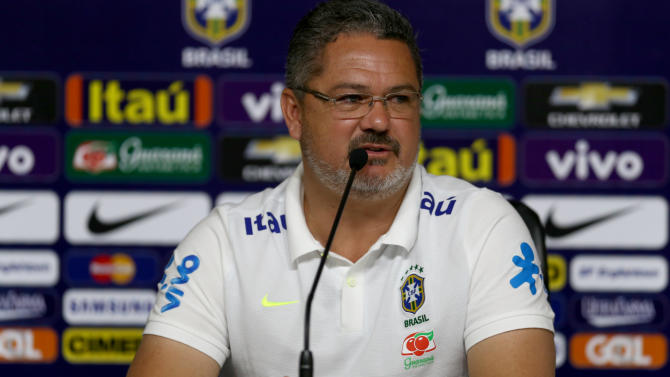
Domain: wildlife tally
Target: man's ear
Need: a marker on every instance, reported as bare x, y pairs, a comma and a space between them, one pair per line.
292, 109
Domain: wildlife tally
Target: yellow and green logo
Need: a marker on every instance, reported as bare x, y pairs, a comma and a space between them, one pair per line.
101, 345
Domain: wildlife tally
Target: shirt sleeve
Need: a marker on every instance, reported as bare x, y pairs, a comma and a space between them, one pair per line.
189, 305
507, 290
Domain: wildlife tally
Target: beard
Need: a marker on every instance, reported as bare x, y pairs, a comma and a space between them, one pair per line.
364, 186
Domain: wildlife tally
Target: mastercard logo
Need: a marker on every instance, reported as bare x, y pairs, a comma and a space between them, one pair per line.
118, 268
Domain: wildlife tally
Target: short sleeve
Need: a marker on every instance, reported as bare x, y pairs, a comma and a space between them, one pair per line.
189, 306
507, 290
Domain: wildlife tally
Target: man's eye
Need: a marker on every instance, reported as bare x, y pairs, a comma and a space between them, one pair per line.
398, 98
351, 98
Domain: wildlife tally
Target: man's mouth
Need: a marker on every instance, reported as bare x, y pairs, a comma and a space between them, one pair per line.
376, 148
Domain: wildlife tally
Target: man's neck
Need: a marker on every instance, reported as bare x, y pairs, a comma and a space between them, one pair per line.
363, 220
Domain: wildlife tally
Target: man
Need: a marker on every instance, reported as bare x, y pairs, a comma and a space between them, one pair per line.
428, 276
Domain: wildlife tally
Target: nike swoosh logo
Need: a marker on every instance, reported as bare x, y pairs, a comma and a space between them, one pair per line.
269, 304
97, 226
558, 231
13, 206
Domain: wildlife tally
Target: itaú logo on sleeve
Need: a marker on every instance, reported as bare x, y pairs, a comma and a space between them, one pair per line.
621, 273
28, 345
108, 306
618, 351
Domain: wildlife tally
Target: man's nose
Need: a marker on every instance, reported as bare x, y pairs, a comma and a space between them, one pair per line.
378, 118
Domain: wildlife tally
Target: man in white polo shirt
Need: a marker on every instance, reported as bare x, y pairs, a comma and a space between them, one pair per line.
428, 276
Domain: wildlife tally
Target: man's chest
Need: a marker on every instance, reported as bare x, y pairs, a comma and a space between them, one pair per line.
403, 314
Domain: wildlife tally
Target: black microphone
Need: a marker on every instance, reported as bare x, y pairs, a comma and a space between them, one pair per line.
357, 159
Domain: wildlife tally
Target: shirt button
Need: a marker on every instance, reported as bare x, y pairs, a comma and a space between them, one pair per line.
351, 282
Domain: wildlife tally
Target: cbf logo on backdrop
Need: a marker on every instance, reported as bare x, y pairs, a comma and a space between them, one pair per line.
520, 23
216, 22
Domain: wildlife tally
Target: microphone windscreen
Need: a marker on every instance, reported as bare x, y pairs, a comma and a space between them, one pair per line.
358, 158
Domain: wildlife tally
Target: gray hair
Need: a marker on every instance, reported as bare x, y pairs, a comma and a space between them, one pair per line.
329, 19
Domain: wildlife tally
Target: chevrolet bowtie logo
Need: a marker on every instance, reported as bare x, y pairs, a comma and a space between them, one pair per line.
593, 96
281, 150
15, 91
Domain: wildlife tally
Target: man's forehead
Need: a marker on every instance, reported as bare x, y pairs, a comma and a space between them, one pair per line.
348, 61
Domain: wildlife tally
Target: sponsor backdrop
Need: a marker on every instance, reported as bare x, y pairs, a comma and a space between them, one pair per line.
122, 123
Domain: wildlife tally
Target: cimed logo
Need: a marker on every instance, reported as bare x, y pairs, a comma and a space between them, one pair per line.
188, 265
528, 269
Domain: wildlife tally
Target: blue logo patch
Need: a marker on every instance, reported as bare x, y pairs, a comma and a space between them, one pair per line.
187, 267
528, 269
413, 293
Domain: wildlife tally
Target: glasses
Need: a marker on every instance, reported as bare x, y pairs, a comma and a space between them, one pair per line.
402, 104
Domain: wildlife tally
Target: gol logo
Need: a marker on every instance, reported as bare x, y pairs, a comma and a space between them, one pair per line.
557, 271
418, 343
99, 345
618, 351
32, 345
118, 268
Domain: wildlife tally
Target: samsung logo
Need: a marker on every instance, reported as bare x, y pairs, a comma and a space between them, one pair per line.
108, 306
21, 305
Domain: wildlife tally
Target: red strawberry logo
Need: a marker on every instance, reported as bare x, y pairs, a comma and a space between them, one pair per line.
418, 343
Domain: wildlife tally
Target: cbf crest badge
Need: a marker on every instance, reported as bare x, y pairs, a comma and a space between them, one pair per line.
413, 293
216, 21
520, 22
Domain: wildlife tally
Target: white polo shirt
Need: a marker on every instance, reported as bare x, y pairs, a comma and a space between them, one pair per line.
457, 266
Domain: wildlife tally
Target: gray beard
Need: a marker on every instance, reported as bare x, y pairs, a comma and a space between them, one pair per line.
363, 187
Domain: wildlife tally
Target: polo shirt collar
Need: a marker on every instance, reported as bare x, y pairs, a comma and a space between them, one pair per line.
402, 232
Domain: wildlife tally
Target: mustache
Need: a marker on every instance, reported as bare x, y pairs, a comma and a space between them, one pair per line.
374, 138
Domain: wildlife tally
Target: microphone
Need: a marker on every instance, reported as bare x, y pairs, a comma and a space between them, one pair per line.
357, 159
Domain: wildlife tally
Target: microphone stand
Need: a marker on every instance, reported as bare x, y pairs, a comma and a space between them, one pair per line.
357, 159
